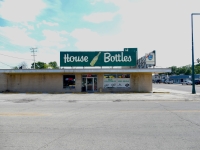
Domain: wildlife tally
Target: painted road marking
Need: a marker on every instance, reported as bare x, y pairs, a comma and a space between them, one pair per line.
181, 111
23, 114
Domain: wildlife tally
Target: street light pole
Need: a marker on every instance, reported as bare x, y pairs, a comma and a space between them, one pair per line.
193, 84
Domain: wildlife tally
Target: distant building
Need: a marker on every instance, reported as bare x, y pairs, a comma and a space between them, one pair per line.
181, 78
160, 77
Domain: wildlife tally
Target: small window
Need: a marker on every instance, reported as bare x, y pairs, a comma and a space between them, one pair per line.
69, 81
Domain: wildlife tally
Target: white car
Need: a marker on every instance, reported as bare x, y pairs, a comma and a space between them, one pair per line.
187, 82
169, 82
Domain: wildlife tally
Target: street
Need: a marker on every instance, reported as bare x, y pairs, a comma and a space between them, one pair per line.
178, 87
36, 124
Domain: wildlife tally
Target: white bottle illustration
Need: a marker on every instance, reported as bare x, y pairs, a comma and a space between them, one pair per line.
94, 60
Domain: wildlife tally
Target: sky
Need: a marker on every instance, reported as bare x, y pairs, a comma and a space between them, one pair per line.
52, 26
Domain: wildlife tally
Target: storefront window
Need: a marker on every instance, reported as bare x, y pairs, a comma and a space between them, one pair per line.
123, 75
109, 75
69, 81
117, 81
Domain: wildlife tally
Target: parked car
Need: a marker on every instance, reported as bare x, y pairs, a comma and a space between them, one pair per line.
158, 81
187, 82
169, 82
197, 82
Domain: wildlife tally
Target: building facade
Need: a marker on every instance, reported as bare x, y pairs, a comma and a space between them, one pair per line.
181, 78
92, 71
77, 80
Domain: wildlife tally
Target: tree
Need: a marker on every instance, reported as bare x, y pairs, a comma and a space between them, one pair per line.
174, 70
39, 65
188, 72
53, 65
14, 67
22, 65
197, 69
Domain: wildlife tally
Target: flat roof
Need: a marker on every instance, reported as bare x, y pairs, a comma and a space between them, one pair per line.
105, 70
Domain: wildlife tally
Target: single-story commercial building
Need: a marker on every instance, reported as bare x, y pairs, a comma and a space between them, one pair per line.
78, 80
181, 78
101, 72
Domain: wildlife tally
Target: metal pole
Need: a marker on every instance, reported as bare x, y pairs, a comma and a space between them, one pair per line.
193, 84
33, 51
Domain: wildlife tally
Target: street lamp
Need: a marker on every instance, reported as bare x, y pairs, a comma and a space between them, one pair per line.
193, 84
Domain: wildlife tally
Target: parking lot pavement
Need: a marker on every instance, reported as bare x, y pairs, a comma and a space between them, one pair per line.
157, 95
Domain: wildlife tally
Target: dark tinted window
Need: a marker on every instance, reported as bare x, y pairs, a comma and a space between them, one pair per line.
68, 81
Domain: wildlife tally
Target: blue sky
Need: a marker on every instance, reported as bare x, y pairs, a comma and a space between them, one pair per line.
97, 25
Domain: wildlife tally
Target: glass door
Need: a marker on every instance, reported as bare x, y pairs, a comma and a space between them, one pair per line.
90, 84
95, 84
84, 83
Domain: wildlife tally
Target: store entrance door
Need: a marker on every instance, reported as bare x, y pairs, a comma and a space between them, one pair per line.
89, 84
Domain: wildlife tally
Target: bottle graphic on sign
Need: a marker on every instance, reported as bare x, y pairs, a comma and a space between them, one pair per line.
94, 60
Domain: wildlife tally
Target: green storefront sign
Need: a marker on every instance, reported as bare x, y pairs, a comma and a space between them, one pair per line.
127, 57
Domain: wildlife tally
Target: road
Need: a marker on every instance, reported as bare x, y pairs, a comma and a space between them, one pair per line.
27, 124
179, 87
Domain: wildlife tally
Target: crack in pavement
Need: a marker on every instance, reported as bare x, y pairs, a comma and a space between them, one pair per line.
179, 115
46, 145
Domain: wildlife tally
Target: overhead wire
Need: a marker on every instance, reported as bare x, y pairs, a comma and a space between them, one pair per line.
6, 64
7, 43
15, 57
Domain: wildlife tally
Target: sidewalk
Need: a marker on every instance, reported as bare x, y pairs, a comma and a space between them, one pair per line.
157, 95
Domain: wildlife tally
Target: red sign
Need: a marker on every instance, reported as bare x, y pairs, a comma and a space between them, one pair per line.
89, 75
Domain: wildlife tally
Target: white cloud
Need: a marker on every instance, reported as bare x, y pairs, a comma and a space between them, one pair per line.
50, 23
17, 36
51, 55
63, 32
28, 26
164, 27
21, 10
93, 2
47, 23
90, 40
8, 62
100, 17
54, 39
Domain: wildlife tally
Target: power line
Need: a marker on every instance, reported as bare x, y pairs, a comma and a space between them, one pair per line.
6, 64
15, 57
33, 51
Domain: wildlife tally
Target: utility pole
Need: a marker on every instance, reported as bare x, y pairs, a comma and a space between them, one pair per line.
33, 51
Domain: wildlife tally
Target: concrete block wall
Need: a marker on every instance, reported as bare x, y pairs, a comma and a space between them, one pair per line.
3, 82
78, 79
141, 82
99, 82
42, 83
35, 82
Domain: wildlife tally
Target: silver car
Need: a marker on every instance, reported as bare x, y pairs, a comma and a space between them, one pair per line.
187, 82
169, 82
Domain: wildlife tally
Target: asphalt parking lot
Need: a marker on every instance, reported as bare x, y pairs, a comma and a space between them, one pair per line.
161, 120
